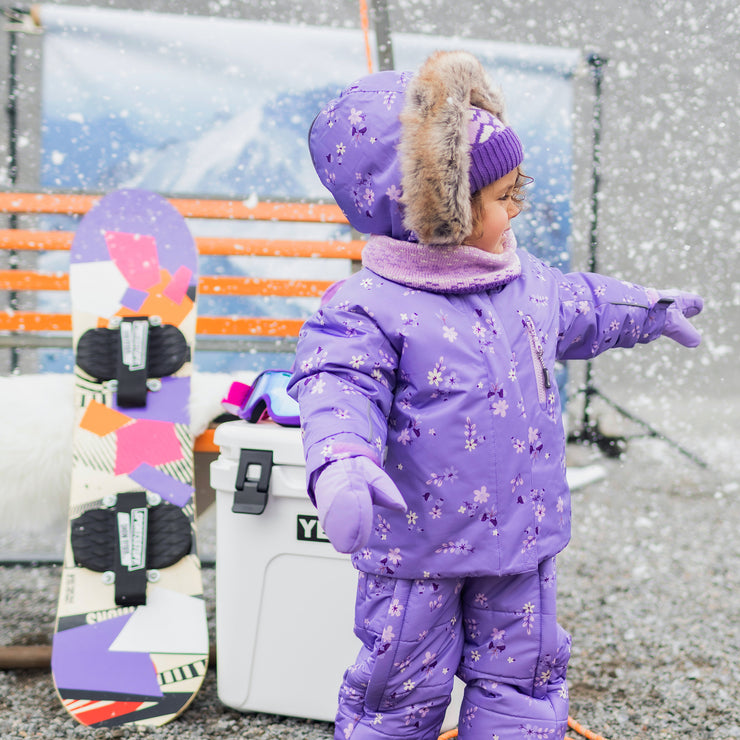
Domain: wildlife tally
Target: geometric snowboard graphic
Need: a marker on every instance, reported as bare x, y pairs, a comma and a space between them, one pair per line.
131, 643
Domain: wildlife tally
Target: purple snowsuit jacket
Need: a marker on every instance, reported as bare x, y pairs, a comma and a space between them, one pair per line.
451, 389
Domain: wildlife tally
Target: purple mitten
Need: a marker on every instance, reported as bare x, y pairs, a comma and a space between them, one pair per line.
345, 492
681, 307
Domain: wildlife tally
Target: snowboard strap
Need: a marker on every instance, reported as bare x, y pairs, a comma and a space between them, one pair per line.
118, 537
133, 349
129, 563
131, 352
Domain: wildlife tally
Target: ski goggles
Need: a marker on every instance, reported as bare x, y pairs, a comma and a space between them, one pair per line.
268, 395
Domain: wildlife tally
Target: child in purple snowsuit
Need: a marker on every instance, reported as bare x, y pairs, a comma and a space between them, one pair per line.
432, 427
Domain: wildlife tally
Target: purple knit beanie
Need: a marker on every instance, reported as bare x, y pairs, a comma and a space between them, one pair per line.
495, 149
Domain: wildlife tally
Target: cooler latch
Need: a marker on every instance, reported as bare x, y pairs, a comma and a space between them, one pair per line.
252, 481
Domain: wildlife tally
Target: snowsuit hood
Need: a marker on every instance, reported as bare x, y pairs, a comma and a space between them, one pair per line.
394, 148
353, 144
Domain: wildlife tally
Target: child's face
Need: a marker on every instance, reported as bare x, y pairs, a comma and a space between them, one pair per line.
498, 209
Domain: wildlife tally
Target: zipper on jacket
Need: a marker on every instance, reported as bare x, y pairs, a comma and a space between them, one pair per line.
542, 374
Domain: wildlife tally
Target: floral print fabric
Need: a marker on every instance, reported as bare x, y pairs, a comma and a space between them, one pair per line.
454, 394
499, 635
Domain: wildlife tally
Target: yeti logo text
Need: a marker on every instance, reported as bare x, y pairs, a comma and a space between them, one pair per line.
309, 530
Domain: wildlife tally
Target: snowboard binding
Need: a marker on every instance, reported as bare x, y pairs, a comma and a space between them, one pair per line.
129, 541
134, 353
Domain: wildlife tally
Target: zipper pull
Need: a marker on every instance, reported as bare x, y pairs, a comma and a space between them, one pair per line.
546, 376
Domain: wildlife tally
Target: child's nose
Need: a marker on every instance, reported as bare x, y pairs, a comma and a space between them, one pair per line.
513, 210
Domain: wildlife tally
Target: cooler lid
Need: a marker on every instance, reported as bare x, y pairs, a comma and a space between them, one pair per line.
285, 442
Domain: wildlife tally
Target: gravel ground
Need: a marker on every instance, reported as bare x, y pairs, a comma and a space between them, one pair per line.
650, 590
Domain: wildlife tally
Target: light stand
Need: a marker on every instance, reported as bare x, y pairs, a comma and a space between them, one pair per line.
611, 446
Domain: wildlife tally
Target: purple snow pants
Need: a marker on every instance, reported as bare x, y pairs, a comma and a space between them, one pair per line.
501, 637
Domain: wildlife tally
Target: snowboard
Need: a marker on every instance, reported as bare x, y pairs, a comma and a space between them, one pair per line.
130, 643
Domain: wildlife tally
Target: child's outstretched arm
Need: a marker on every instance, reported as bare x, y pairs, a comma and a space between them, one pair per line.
598, 312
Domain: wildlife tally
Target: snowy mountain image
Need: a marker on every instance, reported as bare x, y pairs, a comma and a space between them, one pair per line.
258, 150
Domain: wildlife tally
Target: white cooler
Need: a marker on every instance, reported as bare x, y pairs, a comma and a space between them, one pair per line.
284, 596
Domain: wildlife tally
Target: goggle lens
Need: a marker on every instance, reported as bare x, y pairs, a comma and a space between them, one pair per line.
270, 391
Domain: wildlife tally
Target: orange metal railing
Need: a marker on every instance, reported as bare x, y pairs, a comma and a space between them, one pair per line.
29, 240
23, 280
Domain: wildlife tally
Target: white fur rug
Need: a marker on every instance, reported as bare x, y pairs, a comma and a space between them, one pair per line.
36, 443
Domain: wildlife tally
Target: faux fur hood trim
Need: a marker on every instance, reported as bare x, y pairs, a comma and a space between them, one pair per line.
434, 150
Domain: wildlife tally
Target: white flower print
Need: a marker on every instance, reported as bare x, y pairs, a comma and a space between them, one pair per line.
437, 479
472, 438
394, 556
538, 733
530, 539
535, 442
386, 359
469, 716
496, 645
481, 495
472, 628
527, 614
382, 527
458, 547
499, 407
435, 376
404, 437
449, 333
358, 361
429, 657
394, 193
412, 320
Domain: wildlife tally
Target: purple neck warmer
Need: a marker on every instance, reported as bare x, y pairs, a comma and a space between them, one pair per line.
458, 269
